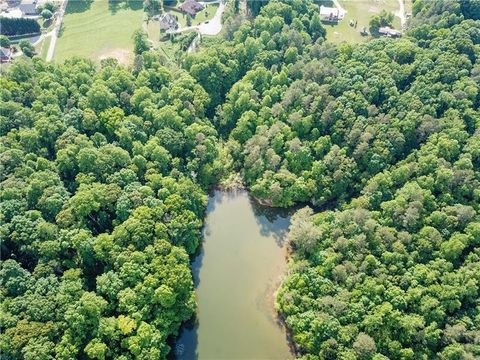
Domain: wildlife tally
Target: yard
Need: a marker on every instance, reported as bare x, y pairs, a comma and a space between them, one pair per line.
42, 47
206, 14
182, 20
360, 11
162, 42
99, 29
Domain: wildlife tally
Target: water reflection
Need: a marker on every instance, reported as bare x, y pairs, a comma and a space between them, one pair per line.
236, 274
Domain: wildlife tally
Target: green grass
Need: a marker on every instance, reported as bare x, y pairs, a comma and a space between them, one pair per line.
182, 19
361, 11
169, 49
44, 47
202, 15
153, 28
211, 9
162, 41
98, 29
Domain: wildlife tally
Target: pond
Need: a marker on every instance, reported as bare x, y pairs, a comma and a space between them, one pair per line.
236, 274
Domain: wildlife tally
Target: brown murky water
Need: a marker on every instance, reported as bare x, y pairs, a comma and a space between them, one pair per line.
236, 274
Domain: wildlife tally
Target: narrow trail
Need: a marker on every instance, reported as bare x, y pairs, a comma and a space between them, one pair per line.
401, 14
194, 45
56, 31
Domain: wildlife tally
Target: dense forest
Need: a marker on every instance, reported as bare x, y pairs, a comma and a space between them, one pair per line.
105, 172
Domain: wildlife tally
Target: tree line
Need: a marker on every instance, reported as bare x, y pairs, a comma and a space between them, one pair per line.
105, 171
18, 26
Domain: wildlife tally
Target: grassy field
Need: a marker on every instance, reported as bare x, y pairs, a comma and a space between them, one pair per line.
45, 46
42, 47
99, 29
153, 28
168, 49
360, 11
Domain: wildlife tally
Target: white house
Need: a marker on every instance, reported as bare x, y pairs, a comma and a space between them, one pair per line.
330, 14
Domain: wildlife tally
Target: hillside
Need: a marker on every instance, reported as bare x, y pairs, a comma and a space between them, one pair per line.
105, 172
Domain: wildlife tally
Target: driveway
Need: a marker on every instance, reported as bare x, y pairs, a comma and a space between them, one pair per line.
54, 33
213, 27
401, 14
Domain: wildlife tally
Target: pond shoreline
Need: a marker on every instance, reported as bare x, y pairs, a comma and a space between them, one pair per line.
259, 231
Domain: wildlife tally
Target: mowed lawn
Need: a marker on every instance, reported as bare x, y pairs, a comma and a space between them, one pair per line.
99, 29
360, 11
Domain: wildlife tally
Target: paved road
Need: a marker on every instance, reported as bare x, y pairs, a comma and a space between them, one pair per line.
56, 31
214, 26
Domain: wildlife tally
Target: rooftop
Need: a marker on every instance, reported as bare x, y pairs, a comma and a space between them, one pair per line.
168, 22
28, 8
387, 30
329, 13
191, 7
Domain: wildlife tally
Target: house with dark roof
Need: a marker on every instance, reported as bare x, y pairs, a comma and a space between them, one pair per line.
191, 7
5, 54
168, 22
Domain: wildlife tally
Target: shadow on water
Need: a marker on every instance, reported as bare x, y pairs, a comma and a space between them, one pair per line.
186, 349
185, 346
274, 223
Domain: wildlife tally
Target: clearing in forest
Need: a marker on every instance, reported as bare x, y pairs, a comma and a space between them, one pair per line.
98, 29
359, 11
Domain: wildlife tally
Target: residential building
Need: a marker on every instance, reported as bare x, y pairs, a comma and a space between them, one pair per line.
168, 22
191, 7
388, 31
28, 8
329, 14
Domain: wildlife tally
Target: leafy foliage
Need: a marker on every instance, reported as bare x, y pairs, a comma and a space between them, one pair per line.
18, 26
103, 191
393, 272
104, 174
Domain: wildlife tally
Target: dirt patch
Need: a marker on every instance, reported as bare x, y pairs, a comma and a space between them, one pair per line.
374, 9
123, 56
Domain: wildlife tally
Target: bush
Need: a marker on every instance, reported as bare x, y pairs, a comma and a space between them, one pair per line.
4, 41
27, 48
46, 14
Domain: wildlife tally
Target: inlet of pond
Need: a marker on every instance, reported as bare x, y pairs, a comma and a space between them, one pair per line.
236, 274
